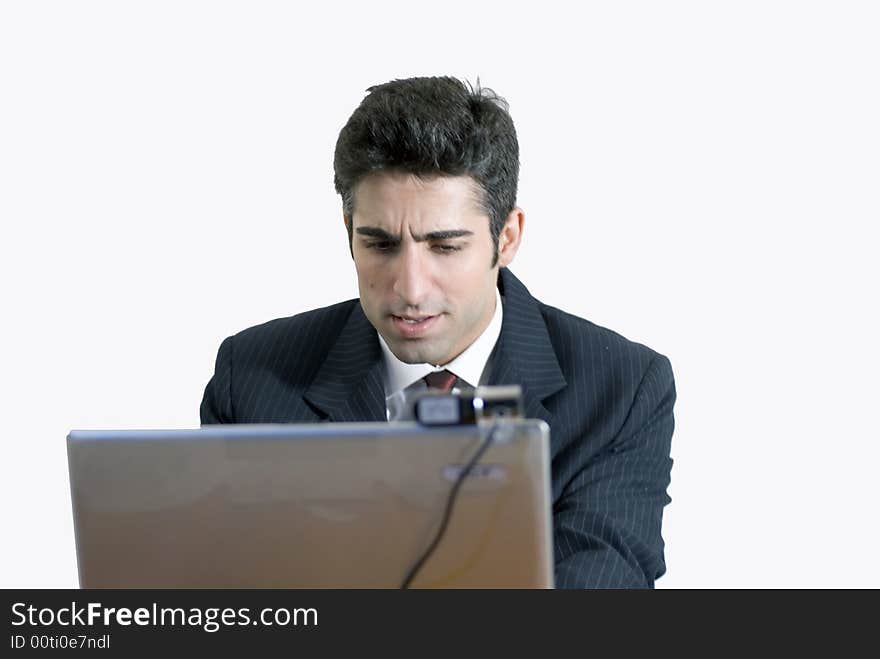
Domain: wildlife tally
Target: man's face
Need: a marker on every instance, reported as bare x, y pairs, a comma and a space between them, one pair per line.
423, 254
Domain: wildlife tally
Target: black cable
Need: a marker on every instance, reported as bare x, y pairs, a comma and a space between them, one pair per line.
450, 502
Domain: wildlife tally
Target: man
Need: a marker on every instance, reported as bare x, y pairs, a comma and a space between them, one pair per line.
427, 169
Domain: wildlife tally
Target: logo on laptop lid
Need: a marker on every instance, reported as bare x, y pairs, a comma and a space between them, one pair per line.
485, 472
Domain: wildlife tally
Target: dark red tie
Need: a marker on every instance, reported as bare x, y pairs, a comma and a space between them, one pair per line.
442, 380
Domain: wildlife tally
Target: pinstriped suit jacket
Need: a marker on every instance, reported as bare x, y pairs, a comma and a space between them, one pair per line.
608, 403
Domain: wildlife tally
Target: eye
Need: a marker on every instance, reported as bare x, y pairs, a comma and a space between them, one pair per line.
380, 245
445, 248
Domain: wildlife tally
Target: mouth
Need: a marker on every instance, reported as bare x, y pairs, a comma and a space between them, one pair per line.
413, 326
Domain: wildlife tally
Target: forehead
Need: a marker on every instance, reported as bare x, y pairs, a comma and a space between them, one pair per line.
390, 198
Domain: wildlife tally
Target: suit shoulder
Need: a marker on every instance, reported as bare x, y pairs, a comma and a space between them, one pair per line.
316, 327
580, 341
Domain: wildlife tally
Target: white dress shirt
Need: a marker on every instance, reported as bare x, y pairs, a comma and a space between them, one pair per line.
471, 366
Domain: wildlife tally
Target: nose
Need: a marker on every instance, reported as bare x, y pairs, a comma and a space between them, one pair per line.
412, 276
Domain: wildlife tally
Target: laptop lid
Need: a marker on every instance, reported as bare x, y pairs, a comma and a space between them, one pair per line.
311, 506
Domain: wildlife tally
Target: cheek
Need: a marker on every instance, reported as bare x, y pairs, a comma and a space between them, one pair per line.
365, 274
370, 283
463, 289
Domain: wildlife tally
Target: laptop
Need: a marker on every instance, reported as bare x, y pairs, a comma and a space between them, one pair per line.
331, 505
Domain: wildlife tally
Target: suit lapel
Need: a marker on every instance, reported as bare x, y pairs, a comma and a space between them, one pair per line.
524, 354
348, 386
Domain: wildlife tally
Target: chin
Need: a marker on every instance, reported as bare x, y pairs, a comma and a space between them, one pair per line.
413, 354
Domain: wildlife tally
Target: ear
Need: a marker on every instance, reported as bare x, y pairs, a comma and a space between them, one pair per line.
511, 236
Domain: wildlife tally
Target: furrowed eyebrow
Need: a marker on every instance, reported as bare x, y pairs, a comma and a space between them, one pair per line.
381, 234
375, 232
444, 235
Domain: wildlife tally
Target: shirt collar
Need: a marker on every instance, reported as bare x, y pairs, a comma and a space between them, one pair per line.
468, 366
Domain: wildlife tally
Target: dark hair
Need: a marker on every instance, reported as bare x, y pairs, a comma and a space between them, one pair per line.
432, 126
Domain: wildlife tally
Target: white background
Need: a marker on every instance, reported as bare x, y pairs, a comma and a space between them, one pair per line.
702, 177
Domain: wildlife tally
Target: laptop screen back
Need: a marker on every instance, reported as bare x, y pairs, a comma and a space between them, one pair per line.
310, 506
